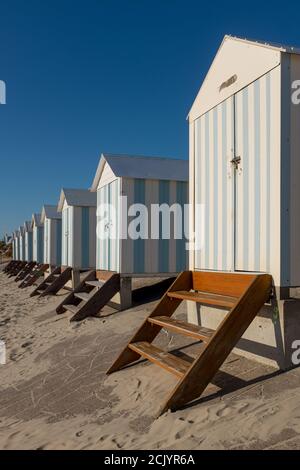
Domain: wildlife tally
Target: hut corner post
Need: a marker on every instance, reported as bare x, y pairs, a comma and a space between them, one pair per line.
125, 292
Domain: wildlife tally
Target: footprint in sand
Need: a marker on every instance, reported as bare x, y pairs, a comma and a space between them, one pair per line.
223, 412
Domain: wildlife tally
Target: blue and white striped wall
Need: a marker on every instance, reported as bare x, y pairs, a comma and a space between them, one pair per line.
14, 254
38, 244
17, 246
79, 237
22, 245
141, 256
28, 246
52, 241
238, 226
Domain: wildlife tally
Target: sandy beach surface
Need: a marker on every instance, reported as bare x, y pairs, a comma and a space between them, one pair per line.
54, 393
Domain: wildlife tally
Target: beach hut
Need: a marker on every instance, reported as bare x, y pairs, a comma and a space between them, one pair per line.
22, 243
78, 212
244, 182
51, 220
37, 238
28, 241
17, 245
128, 187
14, 247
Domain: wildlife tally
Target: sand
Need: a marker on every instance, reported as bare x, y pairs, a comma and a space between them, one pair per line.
54, 393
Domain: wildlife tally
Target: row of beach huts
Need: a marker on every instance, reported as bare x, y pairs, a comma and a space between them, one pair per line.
243, 260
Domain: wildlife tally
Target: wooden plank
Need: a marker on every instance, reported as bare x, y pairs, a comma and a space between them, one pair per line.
104, 275
231, 329
230, 284
167, 361
187, 329
165, 307
206, 299
83, 295
71, 308
95, 283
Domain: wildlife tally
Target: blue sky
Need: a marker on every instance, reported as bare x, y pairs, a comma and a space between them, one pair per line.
117, 76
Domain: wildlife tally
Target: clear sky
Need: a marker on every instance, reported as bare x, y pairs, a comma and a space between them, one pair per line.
117, 76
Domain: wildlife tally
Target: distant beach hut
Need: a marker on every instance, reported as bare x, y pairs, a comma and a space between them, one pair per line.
28, 241
78, 211
147, 181
22, 243
122, 184
51, 220
17, 245
14, 246
38, 238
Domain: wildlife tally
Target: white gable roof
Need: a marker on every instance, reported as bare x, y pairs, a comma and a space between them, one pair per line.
50, 212
27, 226
22, 230
238, 63
141, 167
36, 220
77, 197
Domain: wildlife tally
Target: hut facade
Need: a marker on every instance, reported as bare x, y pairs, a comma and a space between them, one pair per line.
14, 246
146, 181
78, 211
37, 238
244, 173
17, 244
22, 243
28, 241
51, 220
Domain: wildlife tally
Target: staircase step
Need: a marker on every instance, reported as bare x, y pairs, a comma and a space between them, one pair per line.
72, 308
158, 356
216, 300
188, 329
94, 283
82, 295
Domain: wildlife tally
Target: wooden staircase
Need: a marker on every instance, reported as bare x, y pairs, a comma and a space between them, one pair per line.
33, 276
25, 271
16, 268
243, 295
90, 296
10, 265
56, 280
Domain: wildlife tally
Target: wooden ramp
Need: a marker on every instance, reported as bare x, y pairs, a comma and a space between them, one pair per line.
56, 280
10, 266
25, 271
16, 268
33, 276
243, 295
90, 296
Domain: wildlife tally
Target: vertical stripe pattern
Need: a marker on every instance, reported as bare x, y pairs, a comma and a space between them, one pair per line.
214, 144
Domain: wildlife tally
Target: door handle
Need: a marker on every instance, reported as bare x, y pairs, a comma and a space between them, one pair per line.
235, 162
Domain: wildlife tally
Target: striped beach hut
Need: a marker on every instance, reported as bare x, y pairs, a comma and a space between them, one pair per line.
51, 220
245, 171
22, 243
28, 241
122, 181
78, 211
14, 246
37, 238
17, 245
